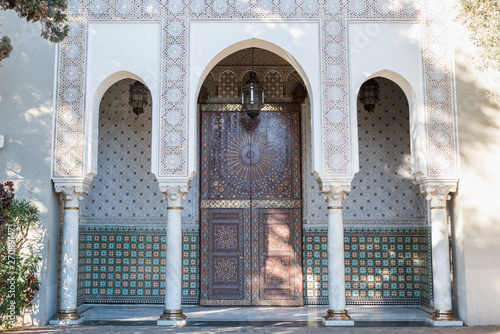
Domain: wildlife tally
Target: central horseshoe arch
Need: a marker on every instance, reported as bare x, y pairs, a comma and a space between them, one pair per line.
251, 188
296, 42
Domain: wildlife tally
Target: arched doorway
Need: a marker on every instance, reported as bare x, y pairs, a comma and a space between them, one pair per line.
251, 185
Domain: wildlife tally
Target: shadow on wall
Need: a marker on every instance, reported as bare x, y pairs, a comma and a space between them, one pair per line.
26, 114
478, 230
479, 144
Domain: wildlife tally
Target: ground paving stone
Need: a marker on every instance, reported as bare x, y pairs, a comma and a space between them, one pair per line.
106, 329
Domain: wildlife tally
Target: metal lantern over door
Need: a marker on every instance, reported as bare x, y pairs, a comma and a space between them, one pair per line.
253, 94
368, 95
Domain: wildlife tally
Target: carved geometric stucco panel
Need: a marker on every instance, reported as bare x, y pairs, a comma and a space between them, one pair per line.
331, 14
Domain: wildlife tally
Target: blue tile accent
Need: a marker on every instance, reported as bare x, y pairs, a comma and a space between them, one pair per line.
124, 264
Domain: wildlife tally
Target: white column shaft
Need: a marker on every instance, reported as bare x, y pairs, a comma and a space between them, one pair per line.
441, 260
173, 277
69, 265
336, 271
437, 195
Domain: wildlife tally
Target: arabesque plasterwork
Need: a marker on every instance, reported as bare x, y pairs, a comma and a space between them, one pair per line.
332, 16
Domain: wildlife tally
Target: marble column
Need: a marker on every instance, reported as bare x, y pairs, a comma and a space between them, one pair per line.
68, 313
443, 314
336, 314
173, 315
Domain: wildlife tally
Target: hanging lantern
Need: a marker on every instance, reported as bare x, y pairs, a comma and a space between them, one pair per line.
253, 96
138, 96
368, 95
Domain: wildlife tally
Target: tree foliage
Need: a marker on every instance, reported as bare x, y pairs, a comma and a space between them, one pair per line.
18, 280
5, 48
482, 20
50, 13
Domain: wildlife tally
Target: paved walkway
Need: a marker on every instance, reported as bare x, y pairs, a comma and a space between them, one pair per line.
309, 314
113, 329
135, 319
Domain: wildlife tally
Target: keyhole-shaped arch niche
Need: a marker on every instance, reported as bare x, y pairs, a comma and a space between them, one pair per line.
124, 187
383, 189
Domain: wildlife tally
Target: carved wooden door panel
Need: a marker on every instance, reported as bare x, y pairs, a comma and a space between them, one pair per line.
250, 207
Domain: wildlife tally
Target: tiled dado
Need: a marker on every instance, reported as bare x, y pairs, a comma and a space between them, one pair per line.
383, 266
124, 264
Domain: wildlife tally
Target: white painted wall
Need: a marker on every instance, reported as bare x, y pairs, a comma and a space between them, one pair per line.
26, 118
296, 42
476, 225
394, 51
119, 50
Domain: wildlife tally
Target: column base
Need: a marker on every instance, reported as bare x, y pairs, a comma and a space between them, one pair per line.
172, 318
66, 317
443, 319
337, 318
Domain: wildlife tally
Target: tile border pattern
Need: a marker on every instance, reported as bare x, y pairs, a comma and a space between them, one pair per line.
384, 265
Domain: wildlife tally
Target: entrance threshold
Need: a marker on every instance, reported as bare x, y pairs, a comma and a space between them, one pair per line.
257, 316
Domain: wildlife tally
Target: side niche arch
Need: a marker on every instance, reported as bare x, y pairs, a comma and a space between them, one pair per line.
383, 189
416, 109
291, 77
92, 121
210, 84
123, 186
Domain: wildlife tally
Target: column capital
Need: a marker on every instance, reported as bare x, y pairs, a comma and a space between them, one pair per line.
437, 193
71, 192
174, 194
335, 194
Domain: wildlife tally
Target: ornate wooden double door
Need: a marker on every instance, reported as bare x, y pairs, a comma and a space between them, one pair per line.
251, 199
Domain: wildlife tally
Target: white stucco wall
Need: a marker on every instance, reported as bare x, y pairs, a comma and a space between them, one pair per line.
477, 213
26, 109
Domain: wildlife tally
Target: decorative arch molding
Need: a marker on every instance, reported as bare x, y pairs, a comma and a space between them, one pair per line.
92, 121
278, 38
244, 73
289, 74
275, 88
169, 56
240, 45
422, 78
109, 59
228, 84
418, 145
